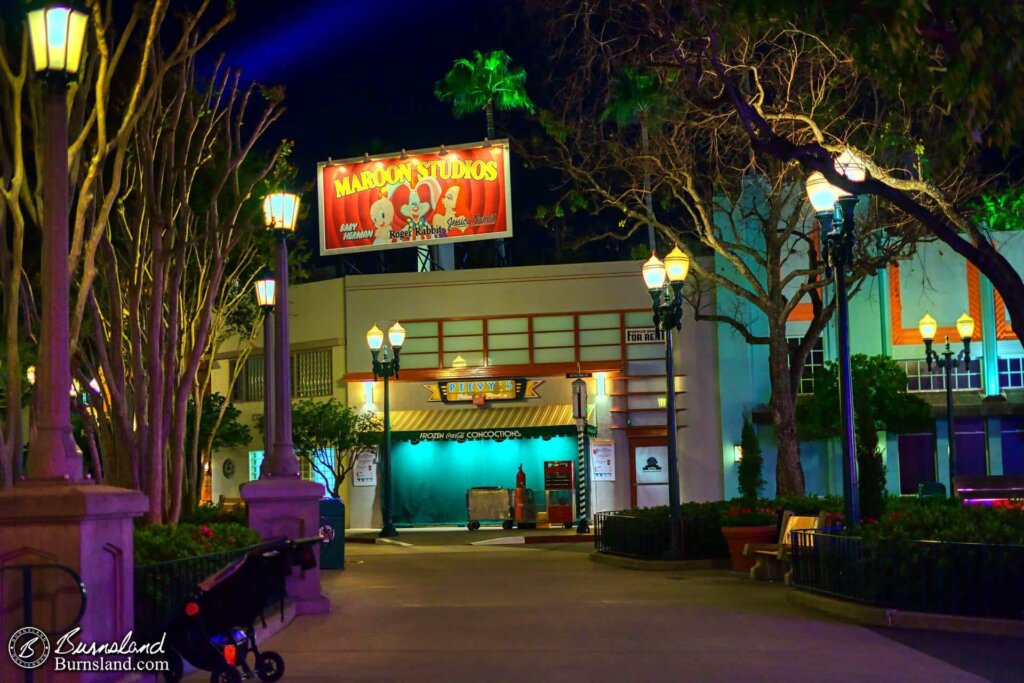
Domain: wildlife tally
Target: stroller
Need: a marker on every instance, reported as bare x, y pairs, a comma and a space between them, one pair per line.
216, 631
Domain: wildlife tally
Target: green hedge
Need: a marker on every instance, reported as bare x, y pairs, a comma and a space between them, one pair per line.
161, 543
208, 513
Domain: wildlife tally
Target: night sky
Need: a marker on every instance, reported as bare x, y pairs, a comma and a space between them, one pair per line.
359, 77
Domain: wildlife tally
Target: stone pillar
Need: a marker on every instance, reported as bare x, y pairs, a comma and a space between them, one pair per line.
87, 528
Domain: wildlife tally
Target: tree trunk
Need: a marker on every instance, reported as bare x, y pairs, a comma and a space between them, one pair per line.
489, 113
789, 473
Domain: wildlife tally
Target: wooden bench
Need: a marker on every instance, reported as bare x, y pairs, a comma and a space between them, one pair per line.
772, 559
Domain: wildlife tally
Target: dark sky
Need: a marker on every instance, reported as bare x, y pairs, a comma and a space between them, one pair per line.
359, 77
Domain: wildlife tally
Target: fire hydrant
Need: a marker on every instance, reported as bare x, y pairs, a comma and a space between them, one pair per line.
520, 495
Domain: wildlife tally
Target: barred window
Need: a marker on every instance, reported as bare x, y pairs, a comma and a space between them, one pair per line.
311, 374
919, 379
249, 384
815, 361
1011, 372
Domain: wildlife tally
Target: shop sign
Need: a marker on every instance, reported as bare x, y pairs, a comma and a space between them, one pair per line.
644, 335
471, 435
364, 473
422, 197
602, 460
483, 390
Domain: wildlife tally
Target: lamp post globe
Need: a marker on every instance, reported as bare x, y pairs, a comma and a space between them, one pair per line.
57, 39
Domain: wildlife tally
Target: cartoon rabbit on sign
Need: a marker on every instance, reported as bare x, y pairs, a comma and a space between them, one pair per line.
422, 200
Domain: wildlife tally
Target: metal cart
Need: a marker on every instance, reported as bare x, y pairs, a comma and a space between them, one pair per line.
489, 504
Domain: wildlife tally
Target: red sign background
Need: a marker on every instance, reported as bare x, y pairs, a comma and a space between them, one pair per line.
430, 196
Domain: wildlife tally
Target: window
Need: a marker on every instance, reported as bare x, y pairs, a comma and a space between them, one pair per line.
305, 471
311, 373
815, 361
311, 376
1011, 373
920, 379
249, 384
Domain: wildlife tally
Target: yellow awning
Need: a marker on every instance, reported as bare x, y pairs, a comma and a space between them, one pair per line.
474, 424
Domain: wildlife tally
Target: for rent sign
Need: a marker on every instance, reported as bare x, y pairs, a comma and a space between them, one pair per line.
644, 335
406, 199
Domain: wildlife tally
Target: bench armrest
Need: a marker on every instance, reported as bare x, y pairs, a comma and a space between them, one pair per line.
750, 548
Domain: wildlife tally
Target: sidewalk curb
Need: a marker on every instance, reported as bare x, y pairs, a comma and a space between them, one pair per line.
882, 617
657, 565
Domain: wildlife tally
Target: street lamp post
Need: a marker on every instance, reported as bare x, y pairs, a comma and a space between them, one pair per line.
948, 361
386, 367
667, 300
281, 210
834, 209
265, 290
57, 35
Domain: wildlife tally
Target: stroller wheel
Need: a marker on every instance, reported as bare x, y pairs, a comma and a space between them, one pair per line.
269, 666
225, 674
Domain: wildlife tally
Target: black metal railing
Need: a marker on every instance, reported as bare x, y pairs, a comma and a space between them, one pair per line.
970, 579
29, 595
646, 534
163, 588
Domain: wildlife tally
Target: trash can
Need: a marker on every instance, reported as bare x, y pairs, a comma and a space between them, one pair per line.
332, 530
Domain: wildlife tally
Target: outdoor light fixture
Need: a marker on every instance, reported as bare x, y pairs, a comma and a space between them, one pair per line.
664, 282
265, 287
737, 453
599, 383
368, 395
947, 361
386, 366
30, 374
834, 209
281, 210
57, 36
459, 361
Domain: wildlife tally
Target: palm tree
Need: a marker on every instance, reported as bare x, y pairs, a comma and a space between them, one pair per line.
636, 96
484, 82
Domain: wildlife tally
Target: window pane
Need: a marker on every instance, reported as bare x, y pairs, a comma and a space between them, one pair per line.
552, 322
472, 359
499, 325
600, 337
641, 351
508, 357
508, 341
421, 345
596, 321
553, 356
313, 373
463, 343
421, 329
600, 353
639, 319
418, 361
463, 327
549, 339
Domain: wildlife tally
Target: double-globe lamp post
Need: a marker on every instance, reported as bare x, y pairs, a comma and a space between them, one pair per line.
667, 298
265, 297
947, 361
57, 35
281, 210
386, 366
834, 209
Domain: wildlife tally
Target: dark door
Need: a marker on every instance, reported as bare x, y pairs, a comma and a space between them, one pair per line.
970, 446
1013, 445
917, 460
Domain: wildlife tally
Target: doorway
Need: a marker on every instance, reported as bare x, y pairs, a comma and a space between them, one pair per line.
648, 470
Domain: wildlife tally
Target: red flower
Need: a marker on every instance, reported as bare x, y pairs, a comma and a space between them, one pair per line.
206, 531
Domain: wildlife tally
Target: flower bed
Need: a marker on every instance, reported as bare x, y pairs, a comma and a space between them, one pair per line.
161, 543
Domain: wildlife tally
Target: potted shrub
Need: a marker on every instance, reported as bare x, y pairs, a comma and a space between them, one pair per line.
747, 522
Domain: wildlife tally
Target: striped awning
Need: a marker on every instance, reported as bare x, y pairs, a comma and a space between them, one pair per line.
475, 424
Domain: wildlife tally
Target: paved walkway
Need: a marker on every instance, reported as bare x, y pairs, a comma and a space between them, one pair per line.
546, 613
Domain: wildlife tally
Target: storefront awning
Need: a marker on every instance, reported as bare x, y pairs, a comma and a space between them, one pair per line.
476, 424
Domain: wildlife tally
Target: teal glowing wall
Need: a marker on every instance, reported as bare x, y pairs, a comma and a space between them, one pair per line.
431, 478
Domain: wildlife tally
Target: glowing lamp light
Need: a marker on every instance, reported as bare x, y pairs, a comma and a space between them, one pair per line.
281, 210
851, 165
458, 361
927, 327
30, 374
737, 453
821, 193
57, 36
368, 394
654, 273
965, 326
265, 287
677, 265
599, 381
375, 338
396, 335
